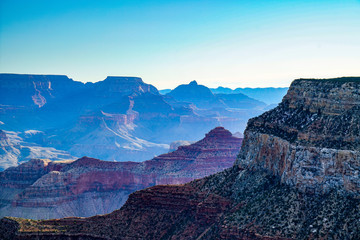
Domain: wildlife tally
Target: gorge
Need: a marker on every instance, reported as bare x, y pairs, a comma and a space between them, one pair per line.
43, 189
296, 177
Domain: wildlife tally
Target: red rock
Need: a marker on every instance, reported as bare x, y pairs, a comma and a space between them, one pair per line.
88, 186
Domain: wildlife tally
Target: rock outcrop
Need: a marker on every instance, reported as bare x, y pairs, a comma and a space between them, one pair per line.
286, 183
42, 189
123, 86
314, 144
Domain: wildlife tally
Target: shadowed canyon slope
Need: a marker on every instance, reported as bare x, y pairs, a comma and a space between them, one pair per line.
42, 189
117, 119
296, 177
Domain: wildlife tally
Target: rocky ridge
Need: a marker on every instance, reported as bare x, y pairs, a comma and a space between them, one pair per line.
197, 94
256, 198
35, 90
267, 95
117, 119
42, 189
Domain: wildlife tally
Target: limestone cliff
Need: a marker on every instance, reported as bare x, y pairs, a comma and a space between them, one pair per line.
312, 139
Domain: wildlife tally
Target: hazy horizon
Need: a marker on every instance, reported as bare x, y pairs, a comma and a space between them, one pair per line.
232, 44
185, 82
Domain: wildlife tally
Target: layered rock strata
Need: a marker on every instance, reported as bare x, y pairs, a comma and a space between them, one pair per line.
117, 119
42, 189
257, 198
312, 139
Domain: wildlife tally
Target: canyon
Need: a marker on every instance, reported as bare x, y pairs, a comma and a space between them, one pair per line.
43, 189
296, 177
117, 119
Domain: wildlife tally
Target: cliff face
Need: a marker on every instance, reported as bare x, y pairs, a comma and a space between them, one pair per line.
115, 86
42, 189
35, 90
283, 185
312, 139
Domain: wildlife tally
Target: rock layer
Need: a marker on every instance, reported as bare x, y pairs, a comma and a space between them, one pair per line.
117, 119
312, 139
264, 195
41, 189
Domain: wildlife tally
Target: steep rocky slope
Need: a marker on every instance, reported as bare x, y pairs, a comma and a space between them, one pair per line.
317, 137
296, 177
41, 189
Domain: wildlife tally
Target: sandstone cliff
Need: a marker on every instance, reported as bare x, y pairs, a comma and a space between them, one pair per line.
296, 177
42, 189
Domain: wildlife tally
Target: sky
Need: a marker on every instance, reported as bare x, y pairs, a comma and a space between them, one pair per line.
261, 43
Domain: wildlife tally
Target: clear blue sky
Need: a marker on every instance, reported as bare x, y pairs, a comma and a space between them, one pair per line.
228, 43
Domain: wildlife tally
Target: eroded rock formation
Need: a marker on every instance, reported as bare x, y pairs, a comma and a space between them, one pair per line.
42, 189
312, 139
296, 177
117, 119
